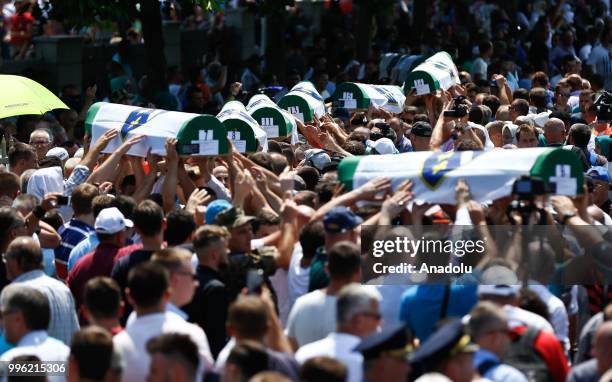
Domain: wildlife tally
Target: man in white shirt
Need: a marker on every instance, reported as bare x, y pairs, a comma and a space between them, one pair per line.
314, 315
24, 266
148, 291
358, 316
26, 316
481, 64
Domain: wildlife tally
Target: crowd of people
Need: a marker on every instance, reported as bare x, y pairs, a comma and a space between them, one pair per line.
248, 267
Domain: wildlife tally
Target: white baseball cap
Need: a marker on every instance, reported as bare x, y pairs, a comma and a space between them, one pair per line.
499, 281
58, 152
383, 146
111, 220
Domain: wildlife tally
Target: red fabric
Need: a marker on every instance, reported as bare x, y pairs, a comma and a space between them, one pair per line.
20, 22
126, 251
97, 263
551, 351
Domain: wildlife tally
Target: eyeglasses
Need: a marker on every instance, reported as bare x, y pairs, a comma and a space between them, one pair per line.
194, 276
39, 143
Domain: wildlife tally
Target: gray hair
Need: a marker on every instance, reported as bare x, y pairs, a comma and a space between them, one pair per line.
485, 317
555, 124
523, 119
33, 305
25, 203
44, 130
354, 299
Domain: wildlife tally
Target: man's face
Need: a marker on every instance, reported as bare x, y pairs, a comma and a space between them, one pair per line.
197, 100
585, 103
29, 163
241, 238
368, 322
185, 284
13, 324
527, 139
220, 173
419, 143
222, 252
600, 192
41, 142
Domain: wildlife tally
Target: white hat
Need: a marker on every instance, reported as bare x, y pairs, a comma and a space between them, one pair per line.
499, 281
58, 152
79, 153
111, 220
383, 146
317, 158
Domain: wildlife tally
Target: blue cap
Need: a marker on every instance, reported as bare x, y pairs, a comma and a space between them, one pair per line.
214, 208
340, 220
446, 342
599, 173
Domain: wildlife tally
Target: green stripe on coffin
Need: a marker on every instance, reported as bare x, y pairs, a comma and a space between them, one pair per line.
350, 95
203, 135
242, 129
346, 171
275, 121
436, 72
91, 113
303, 101
562, 169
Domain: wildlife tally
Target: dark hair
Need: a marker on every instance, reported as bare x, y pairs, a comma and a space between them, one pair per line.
128, 180
148, 218
250, 357
9, 219
325, 189
581, 134
32, 378
51, 161
147, 283
492, 102
311, 238
20, 151
262, 159
102, 297
33, 305
82, 198
539, 80
310, 176
344, 260
354, 147
178, 347
521, 106
531, 301
125, 204
467, 144
92, 349
323, 369
265, 217
485, 46
102, 202
9, 183
526, 128
248, 316
278, 162
537, 96
521, 93
53, 218
181, 225
477, 115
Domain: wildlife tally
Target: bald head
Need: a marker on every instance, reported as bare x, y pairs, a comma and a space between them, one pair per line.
602, 346
554, 131
23, 255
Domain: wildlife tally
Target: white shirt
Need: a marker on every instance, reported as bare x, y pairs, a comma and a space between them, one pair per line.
313, 317
521, 317
480, 66
556, 312
170, 308
224, 354
299, 277
39, 344
338, 346
132, 342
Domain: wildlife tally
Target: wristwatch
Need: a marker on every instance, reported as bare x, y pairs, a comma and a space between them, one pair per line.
566, 215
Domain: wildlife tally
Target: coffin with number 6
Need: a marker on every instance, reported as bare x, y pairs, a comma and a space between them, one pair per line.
303, 101
198, 135
350, 95
242, 129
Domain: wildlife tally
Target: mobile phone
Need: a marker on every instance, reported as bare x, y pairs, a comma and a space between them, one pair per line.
63, 200
254, 281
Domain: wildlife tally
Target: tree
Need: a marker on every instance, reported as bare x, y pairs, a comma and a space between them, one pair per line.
104, 12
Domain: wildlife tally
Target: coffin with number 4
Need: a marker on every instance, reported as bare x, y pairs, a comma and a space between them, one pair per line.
303, 101
242, 129
198, 135
437, 72
352, 96
275, 121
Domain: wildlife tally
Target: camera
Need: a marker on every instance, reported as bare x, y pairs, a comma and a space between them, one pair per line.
526, 187
383, 126
459, 110
603, 103
63, 200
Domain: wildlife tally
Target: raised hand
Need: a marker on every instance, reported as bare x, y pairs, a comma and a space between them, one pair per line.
104, 140
171, 153
369, 190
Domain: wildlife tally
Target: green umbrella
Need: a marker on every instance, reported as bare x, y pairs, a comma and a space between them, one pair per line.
21, 96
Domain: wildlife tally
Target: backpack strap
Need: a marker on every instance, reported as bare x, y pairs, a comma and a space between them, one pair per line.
445, 298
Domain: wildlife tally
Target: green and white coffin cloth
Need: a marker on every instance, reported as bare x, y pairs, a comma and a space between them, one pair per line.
275, 121
352, 96
436, 72
303, 101
242, 129
201, 135
489, 174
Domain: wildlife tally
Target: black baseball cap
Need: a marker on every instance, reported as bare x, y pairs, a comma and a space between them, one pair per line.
421, 129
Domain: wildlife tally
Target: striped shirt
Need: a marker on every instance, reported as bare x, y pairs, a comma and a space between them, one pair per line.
72, 233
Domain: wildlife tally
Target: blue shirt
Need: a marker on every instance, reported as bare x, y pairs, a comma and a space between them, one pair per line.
84, 247
421, 306
72, 233
495, 370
